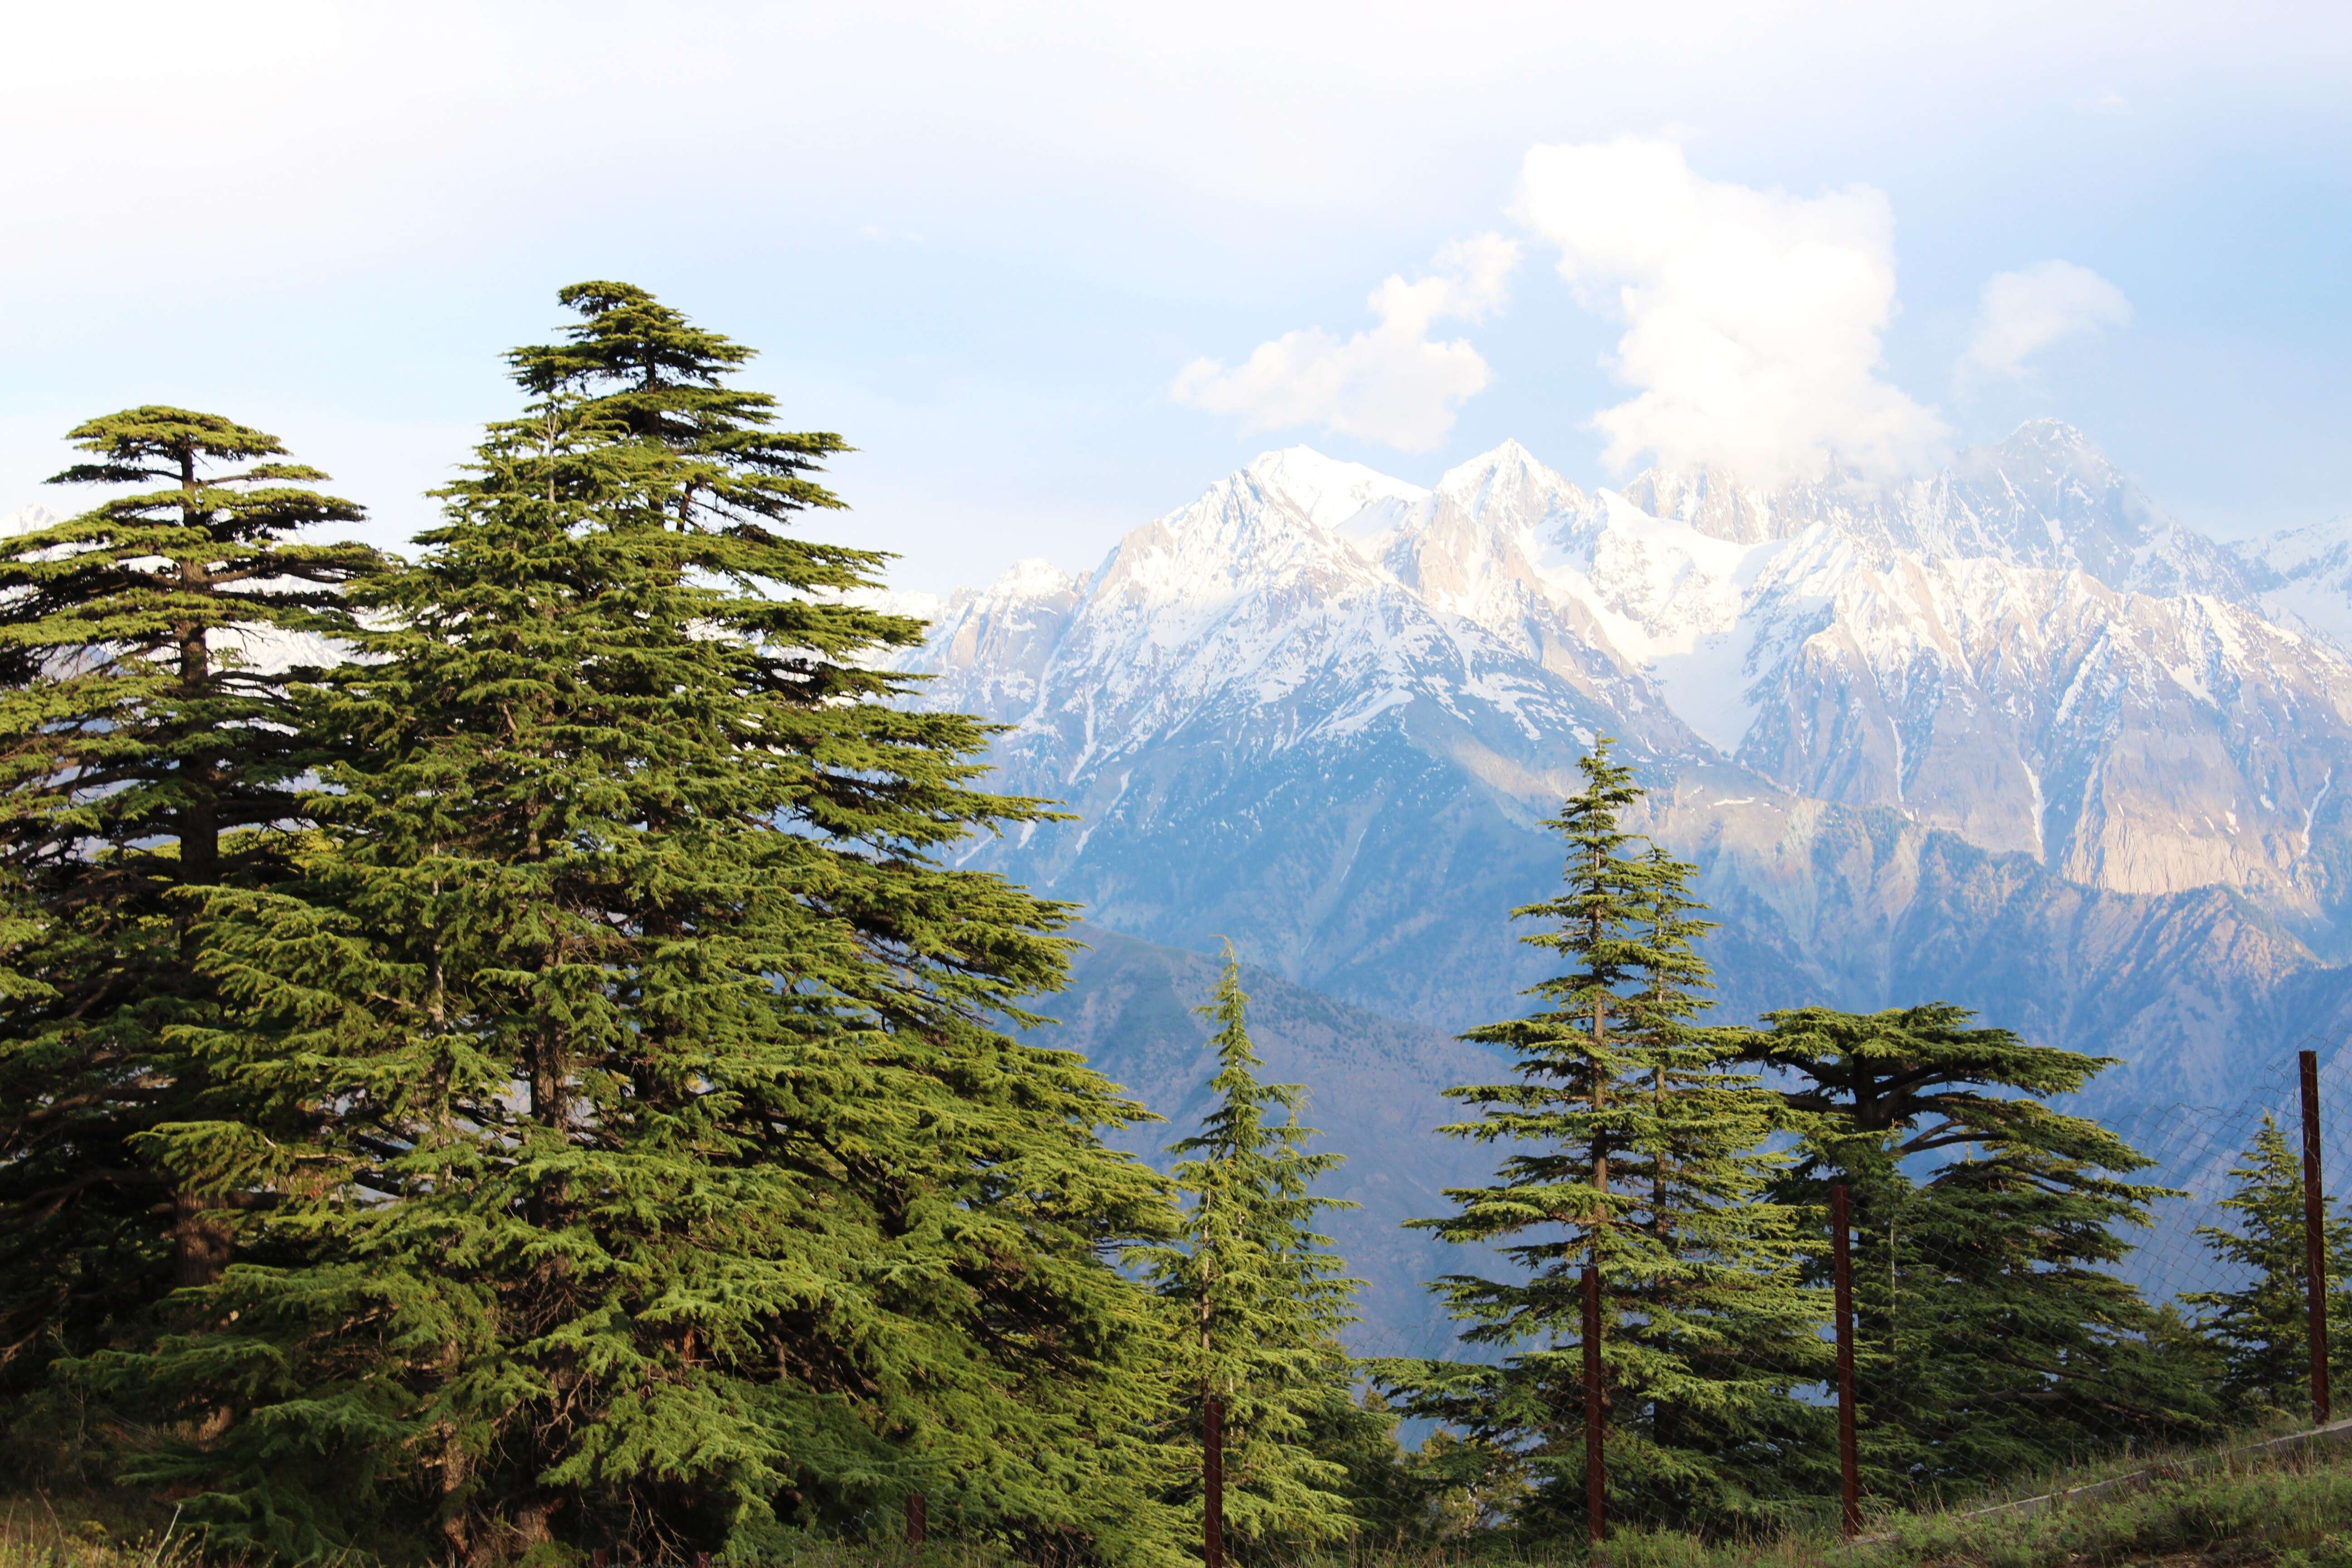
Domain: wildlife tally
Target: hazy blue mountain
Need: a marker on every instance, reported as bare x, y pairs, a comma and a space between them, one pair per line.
1375, 1084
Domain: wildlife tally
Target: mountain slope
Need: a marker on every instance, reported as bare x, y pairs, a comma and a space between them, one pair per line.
1375, 1088
2001, 734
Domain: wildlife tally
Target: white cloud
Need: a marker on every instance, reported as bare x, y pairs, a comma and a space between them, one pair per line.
1391, 384
2020, 313
1752, 318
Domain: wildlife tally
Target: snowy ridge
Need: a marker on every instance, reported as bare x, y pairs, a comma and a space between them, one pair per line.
2304, 578
2045, 497
2022, 650
28, 520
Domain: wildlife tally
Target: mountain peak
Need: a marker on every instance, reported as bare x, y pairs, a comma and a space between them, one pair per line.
1508, 487
1510, 458
1325, 490
1509, 455
1032, 577
29, 519
1709, 500
2057, 445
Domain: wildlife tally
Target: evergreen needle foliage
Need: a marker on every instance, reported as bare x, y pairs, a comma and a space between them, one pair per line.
2263, 1327
1991, 1338
1259, 1302
1637, 1148
666, 1182
497, 1062
148, 747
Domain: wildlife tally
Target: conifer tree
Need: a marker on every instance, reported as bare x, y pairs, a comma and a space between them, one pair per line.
147, 747
1637, 1150
2263, 1327
1259, 1301
672, 1183
1991, 1336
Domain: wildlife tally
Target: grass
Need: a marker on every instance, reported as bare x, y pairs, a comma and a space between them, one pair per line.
2287, 1510
90, 1531
2216, 1509
2291, 1510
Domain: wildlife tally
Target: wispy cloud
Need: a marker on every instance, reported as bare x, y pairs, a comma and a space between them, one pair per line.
1752, 318
2020, 313
1391, 383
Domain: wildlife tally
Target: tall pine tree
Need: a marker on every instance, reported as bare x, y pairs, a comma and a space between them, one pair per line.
1636, 1150
671, 1184
148, 748
1259, 1302
1993, 1335
2263, 1327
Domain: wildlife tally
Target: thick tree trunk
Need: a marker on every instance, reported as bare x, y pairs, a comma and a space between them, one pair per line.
456, 1539
1600, 1102
200, 1241
199, 821
532, 1525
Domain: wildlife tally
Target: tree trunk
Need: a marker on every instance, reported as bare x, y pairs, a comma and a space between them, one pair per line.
532, 1525
455, 1470
199, 819
200, 1243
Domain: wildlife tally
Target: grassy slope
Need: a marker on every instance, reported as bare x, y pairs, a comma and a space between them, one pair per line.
2294, 1513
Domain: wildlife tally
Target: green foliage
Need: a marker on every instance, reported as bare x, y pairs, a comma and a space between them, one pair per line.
1392, 1496
1991, 1338
2293, 1511
1474, 1489
145, 749
665, 1181
1258, 1302
2265, 1326
1636, 1149
539, 1084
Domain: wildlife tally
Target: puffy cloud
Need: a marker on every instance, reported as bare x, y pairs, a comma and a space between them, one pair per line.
1391, 383
1752, 318
2020, 313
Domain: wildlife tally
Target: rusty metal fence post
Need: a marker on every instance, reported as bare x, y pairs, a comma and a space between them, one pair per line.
2314, 1239
914, 1519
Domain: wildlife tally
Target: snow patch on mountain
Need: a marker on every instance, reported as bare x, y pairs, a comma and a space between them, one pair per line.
2022, 650
1328, 492
2305, 578
2046, 497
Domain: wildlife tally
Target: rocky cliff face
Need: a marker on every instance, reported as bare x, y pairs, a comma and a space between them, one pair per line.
2009, 735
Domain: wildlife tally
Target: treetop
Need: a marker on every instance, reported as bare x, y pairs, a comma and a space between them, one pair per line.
1892, 1071
657, 377
155, 441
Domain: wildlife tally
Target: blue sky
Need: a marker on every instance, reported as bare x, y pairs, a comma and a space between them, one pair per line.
986, 241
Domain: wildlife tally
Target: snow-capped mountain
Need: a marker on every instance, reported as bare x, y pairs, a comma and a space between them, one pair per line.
2304, 578
2046, 497
2133, 740
1324, 710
